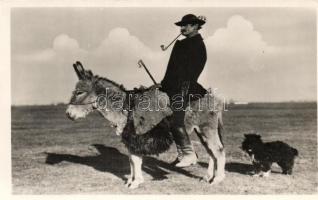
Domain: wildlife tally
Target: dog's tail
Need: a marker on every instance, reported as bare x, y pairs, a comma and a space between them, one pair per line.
295, 151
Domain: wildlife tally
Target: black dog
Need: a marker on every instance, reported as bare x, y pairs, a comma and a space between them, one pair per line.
263, 155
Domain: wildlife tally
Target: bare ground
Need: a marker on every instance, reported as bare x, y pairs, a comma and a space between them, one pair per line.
53, 155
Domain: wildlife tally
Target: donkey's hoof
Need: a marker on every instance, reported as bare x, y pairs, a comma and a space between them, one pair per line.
257, 175
206, 179
128, 182
217, 179
135, 184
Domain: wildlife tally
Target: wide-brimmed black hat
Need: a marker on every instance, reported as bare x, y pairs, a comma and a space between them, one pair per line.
190, 19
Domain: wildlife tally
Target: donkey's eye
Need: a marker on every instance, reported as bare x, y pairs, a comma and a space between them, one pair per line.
79, 92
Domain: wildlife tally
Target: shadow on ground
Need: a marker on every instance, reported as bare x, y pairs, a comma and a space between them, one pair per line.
241, 168
234, 167
111, 160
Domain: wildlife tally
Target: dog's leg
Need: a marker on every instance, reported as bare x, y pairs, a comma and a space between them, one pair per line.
257, 168
138, 178
287, 166
266, 169
289, 170
267, 173
132, 171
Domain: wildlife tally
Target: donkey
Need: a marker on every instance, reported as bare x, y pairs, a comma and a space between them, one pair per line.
94, 93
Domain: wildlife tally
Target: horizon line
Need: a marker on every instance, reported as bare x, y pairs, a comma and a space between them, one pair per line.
229, 103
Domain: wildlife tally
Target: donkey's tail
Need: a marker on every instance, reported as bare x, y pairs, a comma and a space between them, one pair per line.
220, 127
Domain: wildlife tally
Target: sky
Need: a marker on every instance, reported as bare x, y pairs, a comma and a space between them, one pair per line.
253, 54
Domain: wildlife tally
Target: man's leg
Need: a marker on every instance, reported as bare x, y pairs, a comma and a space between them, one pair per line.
186, 154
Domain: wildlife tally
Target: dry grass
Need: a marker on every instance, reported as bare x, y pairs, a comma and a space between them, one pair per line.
52, 155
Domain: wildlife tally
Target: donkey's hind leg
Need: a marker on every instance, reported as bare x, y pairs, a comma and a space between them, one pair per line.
213, 145
211, 168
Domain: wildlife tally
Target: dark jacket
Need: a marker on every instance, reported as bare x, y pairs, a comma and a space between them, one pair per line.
186, 63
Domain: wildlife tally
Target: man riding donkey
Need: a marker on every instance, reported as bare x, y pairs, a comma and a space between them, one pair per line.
186, 63
145, 132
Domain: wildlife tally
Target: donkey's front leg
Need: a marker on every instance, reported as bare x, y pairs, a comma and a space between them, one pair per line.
132, 175
136, 174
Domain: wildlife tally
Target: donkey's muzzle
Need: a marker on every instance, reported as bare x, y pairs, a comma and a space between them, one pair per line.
68, 115
74, 113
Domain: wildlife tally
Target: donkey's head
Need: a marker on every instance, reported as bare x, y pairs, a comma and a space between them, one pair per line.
83, 100
96, 93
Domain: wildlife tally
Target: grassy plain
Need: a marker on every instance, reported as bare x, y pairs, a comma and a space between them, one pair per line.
53, 155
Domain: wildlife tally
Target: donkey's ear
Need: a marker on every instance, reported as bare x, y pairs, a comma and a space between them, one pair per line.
79, 69
88, 74
77, 72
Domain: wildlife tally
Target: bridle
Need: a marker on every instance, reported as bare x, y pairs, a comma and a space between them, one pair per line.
126, 102
96, 102
88, 103
83, 104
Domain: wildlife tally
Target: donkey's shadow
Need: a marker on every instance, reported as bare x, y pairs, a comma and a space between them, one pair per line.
234, 167
111, 160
